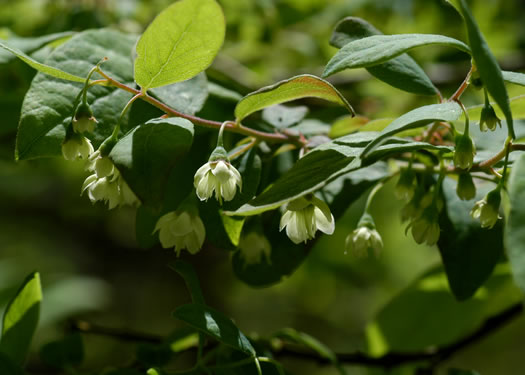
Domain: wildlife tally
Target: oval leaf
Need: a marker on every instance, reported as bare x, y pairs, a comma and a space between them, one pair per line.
186, 271
401, 72
21, 318
377, 49
302, 86
514, 77
147, 155
48, 105
187, 97
31, 44
216, 325
514, 233
449, 111
180, 43
486, 63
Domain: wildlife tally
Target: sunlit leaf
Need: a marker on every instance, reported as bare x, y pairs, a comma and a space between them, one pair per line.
298, 87
180, 43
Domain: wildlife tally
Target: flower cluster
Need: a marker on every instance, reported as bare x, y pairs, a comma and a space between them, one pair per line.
304, 216
106, 183
75, 145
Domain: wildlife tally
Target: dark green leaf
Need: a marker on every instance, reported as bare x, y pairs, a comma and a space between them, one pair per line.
486, 64
462, 372
469, 252
310, 342
48, 105
282, 116
8, 366
448, 111
298, 87
21, 319
147, 155
63, 353
377, 49
514, 233
180, 43
187, 97
192, 281
401, 72
154, 354
216, 325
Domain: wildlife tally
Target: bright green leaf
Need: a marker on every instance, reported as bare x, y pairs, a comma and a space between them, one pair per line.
514, 233
147, 155
29, 45
186, 271
514, 77
448, 111
298, 87
181, 42
47, 69
401, 72
469, 252
21, 319
233, 227
377, 49
486, 64
216, 325
48, 105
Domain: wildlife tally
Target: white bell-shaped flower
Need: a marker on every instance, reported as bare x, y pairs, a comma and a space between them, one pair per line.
182, 230
304, 216
217, 176
253, 247
76, 147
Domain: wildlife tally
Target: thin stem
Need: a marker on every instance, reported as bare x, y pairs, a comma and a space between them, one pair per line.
467, 124
231, 127
508, 145
372, 195
277, 365
463, 85
258, 366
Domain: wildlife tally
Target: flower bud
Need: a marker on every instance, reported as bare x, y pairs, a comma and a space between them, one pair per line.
488, 119
364, 239
84, 121
253, 247
181, 229
406, 185
76, 147
304, 216
465, 151
487, 209
466, 190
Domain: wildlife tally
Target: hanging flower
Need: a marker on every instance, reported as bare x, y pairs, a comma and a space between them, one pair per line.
488, 119
487, 209
253, 247
363, 239
84, 121
425, 229
218, 176
465, 151
181, 229
406, 185
466, 190
76, 147
304, 216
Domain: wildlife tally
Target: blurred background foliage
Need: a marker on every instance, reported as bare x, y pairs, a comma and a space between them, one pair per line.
92, 268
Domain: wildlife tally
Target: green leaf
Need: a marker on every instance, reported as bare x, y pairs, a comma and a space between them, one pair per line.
469, 252
324, 164
233, 228
448, 111
181, 42
21, 319
29, 45
187, 97
47, 69
303, 86
216, 325
147, 155
514, 234
64, 353
310, 342
401, 72
8, 366
186, 271
432, 317
486, 64
48, 105
250, 167
517, 106
377, 49
281, 116
514, 77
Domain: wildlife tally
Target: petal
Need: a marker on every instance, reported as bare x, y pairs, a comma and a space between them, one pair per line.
200, 231
181, 226
285, 219
201, 172
167, 240
228, 189
325, 224
206, 186
222, 171
295, 229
